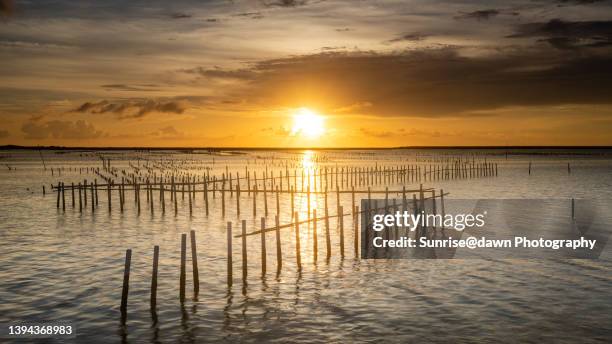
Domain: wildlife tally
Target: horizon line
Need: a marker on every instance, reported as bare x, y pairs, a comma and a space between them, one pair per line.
243, 148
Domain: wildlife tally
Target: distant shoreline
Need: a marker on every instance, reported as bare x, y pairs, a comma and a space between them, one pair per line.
215, 149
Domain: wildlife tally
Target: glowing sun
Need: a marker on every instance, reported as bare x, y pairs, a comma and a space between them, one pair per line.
308, 123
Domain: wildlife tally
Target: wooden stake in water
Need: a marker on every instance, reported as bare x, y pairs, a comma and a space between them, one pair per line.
154, 278
341, 219
63, 198
327, 235
182, 275
244, 252
194, 261
277, 201
72, 189
205, 196
230, 272
190, 204
255, 200
315, 240
263, 246
279, 253
126, 285
356, 230
298, 255
308, 201
265, 197
237, 198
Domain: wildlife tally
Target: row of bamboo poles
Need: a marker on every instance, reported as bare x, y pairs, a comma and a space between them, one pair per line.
309, 182
312, 218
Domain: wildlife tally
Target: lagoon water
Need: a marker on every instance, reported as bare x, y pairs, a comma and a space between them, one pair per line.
68, 266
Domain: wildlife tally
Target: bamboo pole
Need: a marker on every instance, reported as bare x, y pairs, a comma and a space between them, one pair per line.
194, 262
356, 230
279, 253
230, 273
182, 273
315, 240
263, 246
126, 285
341, 219
244, 251
298, 255
154, 278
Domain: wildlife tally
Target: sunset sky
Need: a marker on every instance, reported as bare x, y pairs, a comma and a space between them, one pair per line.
305, 73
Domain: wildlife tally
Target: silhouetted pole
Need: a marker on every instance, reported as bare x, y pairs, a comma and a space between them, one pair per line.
244, 252
126, 285
194, 261
154, 277
279, 253
182, 276
298, 255
263, 245
229, 253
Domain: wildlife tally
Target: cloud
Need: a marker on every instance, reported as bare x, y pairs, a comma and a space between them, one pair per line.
168, 133
124, 87
252, 15
567, 34
180, 15
333, 48
133, 108
413, 132
580, 2
479, 15
280, 131
57, 129
7, 7
377, 133
284, 3
429, 83
409, 37
4, 134
220, 73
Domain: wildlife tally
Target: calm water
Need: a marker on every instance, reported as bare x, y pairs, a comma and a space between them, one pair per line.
69, 266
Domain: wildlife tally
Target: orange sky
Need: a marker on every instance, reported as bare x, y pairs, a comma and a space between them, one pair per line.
381, 74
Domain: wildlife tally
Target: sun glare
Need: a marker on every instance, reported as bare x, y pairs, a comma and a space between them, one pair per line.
308, 123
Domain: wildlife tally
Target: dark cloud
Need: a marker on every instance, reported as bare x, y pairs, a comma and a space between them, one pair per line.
133, 108
567, 34
124, 87
431, 83
4, 134
179, 15
284, 3
56, 129
220, 73
7, 7
580, 2
332, 48
409, 37
479, 15
252, 15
